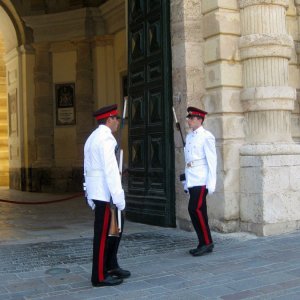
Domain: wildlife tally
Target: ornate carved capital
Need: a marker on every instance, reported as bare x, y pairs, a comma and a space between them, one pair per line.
245, 3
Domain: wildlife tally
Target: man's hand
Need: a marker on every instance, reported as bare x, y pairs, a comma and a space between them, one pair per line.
121, 206
185, 188
90, 203
183, 181
210, 190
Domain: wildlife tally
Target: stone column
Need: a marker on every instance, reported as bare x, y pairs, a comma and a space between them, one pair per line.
43, 114
104, 74
84, 97
296, 74
43, 106
269, 160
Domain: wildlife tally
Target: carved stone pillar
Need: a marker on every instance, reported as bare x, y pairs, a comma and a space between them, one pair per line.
265, 50
103, 55
296, 112
43, 115
84, 96
269, 160
43, 107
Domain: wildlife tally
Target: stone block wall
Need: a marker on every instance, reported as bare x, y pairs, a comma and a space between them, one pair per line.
270, 198
223, 82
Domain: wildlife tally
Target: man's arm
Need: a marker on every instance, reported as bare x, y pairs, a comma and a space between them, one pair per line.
112, 175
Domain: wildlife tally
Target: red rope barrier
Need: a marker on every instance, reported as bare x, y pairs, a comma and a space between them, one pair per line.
42, 202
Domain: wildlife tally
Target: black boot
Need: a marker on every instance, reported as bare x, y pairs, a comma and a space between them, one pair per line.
119, 273
108, 281
203, 250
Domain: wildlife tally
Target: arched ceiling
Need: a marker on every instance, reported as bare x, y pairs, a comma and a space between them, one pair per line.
12, 28
8, 31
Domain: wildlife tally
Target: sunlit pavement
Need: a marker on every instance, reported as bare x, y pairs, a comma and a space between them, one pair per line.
45, 253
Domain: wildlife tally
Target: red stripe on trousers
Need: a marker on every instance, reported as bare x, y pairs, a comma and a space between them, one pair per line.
102, 244
200, 216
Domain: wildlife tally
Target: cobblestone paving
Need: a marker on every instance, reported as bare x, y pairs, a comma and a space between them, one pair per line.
241, 267
47, 256
22, 258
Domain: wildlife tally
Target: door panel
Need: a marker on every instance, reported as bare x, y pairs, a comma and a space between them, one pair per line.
150, 196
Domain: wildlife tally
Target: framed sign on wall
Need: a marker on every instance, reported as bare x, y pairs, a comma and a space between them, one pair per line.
65, 104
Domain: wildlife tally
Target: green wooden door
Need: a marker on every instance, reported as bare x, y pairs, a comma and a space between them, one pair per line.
150, 197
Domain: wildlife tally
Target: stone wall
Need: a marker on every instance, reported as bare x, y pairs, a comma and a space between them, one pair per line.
223, 82
4, 178
243, 58
207, 74
187, 80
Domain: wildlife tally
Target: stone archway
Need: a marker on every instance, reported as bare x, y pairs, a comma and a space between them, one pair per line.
13, 40
4, 176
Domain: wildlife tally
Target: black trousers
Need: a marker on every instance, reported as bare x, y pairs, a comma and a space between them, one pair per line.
198, 213
105, 248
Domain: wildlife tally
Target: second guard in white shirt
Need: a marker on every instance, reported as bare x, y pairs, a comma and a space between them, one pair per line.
200, 177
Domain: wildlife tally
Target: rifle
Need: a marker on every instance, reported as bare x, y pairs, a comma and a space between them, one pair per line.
116, 223
181, 176
178, 126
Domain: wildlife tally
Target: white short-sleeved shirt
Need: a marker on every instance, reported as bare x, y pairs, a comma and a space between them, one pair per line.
102, 177
200, 149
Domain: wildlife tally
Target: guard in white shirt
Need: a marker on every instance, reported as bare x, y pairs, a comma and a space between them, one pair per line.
200, 176
103, 182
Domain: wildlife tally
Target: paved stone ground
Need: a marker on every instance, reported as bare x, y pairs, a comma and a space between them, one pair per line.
54, 262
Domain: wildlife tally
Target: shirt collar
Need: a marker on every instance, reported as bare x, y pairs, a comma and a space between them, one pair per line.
198, 130
105, 128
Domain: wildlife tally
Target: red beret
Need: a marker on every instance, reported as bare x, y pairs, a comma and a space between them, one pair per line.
193, 111
106, 111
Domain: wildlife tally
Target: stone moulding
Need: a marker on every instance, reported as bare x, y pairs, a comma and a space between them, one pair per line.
245, 3
266, 45
104, 40
270, 149
268, 98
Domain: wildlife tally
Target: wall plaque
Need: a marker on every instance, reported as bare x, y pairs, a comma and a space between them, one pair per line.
65, 104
